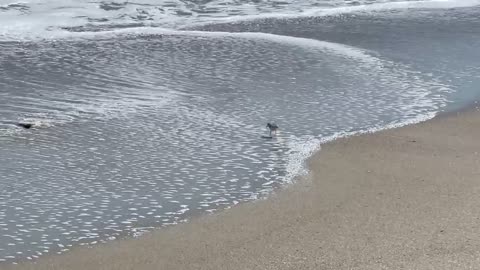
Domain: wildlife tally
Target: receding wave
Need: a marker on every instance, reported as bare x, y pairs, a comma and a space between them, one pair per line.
96, 100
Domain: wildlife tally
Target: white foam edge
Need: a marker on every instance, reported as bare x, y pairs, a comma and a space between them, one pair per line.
336, 48
305, 148
17, 35
335, 11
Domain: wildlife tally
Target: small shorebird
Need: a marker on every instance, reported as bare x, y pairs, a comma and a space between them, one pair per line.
272, 127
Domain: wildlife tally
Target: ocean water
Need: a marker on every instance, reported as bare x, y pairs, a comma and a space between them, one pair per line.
146, 113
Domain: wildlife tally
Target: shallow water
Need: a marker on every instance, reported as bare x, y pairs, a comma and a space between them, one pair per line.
140, 127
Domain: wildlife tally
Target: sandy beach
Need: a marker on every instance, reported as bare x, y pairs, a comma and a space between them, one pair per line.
407, 198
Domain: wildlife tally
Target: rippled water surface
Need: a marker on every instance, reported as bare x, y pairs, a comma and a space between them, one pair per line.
145, 114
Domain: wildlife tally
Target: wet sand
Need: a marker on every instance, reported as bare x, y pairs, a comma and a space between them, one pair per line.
407, 198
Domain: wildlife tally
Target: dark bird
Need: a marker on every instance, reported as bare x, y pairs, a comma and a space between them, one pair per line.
272, 127
25, 125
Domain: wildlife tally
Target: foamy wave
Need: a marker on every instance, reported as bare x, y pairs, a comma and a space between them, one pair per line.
323, 12
303, 148
337, 48
39, 20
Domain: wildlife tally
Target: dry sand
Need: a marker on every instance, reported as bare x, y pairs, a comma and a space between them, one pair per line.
407, 198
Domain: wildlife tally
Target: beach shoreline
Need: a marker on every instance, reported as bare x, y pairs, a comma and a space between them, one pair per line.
404, 198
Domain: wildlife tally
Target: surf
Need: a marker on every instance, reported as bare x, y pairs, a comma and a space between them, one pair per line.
51, 20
